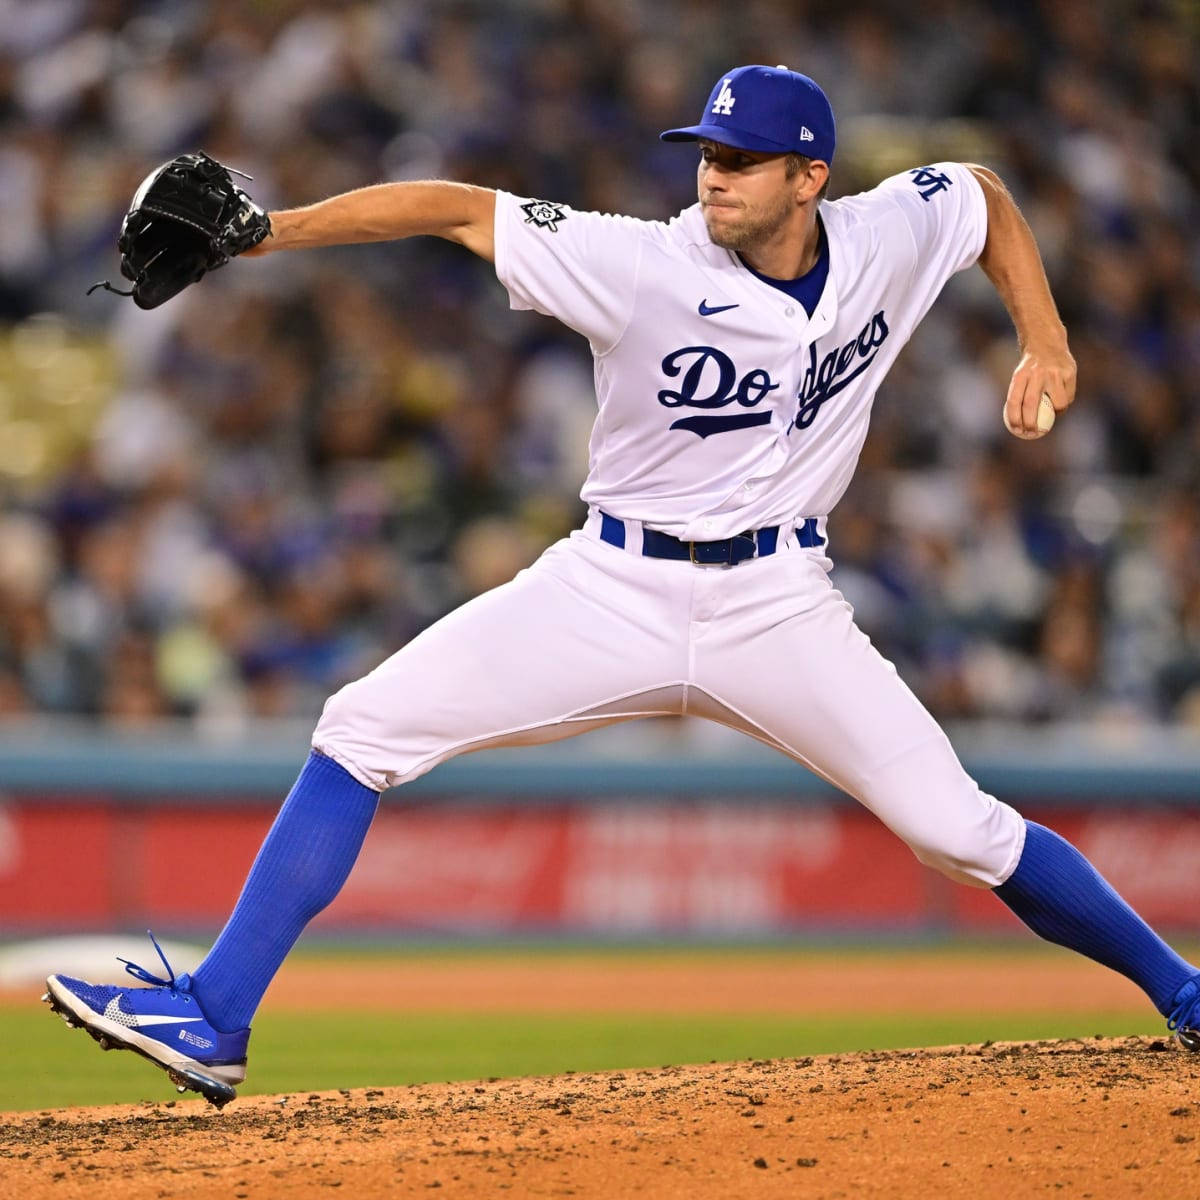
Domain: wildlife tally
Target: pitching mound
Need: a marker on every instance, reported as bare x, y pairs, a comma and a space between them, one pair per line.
1103, 1118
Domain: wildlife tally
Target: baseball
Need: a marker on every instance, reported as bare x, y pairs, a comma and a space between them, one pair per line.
1045, 419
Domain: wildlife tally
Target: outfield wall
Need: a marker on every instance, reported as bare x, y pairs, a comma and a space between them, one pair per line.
101, 833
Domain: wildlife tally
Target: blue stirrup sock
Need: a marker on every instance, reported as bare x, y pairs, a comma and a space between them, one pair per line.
300, 868
1064, 899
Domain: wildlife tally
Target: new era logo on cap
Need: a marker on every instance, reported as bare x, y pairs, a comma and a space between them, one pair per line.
770, 109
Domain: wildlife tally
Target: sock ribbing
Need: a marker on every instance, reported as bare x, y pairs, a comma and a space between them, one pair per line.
1064, 899
300, 868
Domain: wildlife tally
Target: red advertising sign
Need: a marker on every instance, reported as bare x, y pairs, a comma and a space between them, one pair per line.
614, 869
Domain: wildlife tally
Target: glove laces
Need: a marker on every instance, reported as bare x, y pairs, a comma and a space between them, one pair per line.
108, 287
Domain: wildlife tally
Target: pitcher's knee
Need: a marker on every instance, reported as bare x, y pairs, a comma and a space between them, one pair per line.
346, 733
980, 852
961, 863
946, 819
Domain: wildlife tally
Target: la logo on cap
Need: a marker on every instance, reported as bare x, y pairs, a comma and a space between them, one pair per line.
725, 100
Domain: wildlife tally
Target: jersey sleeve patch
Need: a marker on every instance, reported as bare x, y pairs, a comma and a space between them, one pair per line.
585, 275
543, 214
945, 210
929, 181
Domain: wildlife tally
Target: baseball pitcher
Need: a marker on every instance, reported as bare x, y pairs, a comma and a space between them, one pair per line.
738, 348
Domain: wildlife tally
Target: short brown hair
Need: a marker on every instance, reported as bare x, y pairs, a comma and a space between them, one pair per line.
793, 164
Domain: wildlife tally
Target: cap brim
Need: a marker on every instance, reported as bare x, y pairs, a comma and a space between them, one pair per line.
726, 136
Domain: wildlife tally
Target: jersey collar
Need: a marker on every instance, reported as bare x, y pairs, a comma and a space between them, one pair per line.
805, 290
735, 277
826, 311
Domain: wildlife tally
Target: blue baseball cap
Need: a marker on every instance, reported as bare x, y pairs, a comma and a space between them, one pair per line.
770, 109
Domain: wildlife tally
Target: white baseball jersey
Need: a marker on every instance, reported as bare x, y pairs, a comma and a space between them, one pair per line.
722, 405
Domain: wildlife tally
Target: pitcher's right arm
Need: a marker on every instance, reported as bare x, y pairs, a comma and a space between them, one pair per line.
459, 212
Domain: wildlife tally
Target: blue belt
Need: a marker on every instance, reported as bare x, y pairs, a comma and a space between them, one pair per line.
726, 552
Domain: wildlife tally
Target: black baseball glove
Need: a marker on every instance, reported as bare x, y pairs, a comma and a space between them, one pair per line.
187, 217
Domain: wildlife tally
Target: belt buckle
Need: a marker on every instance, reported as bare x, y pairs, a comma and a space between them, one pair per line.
728, 561
700, 562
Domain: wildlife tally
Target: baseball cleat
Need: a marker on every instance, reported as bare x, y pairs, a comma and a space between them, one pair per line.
162, 1022
1184, 1018
1189, 1039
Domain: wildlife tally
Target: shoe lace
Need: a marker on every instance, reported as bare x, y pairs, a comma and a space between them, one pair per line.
147, 977
1184, 1006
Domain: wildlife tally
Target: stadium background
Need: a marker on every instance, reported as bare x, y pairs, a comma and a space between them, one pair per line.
217, 512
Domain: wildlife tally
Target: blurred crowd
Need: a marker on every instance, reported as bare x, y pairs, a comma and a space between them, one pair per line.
226, 507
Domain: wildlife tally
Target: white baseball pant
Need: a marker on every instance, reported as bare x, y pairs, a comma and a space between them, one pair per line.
591, 634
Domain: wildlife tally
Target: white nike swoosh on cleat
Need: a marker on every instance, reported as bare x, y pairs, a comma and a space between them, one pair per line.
114, 1012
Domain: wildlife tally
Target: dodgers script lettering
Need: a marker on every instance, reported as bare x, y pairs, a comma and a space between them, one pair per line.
708, 378
826, 378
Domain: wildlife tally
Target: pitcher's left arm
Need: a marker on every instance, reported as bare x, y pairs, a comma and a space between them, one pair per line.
1011, 260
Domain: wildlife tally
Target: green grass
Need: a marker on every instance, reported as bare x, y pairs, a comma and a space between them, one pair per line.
47, 1065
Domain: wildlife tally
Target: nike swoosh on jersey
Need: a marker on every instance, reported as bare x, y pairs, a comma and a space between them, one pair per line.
705, 311
114, 1012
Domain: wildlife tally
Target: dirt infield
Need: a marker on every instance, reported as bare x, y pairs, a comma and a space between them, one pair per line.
1086, 1119
1096, 1118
